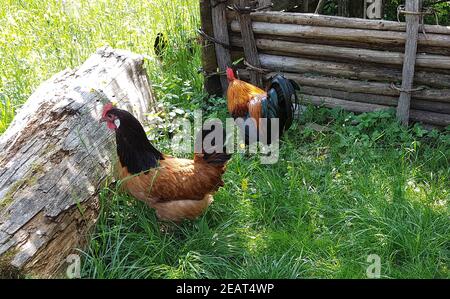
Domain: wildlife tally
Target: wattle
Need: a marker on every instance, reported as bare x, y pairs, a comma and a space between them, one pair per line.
111, 125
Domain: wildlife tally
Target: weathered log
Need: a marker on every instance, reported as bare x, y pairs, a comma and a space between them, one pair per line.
339, 53
361, 44
351, 71
55, 156
346, 105
437, 119
355, 86
376, 99
339, 22
336, 69
386, 38
434, 95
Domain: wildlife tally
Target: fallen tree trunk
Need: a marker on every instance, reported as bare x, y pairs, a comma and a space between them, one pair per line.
55, 156
339, 22
387, 38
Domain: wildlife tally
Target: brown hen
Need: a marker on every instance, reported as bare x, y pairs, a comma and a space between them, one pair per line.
176, 188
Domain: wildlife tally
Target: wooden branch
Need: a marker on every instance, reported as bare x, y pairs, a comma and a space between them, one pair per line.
220, 29
385, 38
55, 156
340, 22
251, 53
412, 31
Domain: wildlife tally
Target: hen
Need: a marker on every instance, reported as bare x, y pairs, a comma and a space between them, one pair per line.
246, 100
176, 188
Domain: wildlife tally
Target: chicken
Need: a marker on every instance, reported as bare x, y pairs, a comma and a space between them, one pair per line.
176, 188
246, 100
161, 44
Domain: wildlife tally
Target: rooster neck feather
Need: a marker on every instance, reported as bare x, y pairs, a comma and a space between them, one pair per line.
238, 96
135, 152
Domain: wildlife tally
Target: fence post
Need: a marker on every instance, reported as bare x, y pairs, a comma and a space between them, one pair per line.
412, 7
220, 29
212, 83
249, 42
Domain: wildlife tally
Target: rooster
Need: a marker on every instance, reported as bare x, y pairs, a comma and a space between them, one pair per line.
246, 100
176, 188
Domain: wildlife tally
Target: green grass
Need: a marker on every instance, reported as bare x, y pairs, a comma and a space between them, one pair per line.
367, 186
333, 199
42, 37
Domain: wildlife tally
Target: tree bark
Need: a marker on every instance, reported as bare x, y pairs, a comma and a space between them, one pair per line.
55, 156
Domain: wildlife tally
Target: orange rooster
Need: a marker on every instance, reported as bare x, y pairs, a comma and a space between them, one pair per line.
176, 188
246, 100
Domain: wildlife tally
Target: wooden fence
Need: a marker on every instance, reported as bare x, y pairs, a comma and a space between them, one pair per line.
358, 64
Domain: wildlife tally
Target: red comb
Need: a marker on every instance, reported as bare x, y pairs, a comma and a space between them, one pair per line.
230, 74
106, 108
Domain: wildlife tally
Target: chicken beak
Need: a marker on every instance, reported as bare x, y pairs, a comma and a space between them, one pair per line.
101, 120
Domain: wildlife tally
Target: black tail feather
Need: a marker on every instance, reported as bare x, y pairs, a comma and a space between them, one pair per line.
285, 90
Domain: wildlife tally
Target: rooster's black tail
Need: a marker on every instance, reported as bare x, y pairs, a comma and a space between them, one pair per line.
282, 100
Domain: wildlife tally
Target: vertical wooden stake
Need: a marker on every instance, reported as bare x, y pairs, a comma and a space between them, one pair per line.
212, 84
220, 29
409, 62
250, 50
